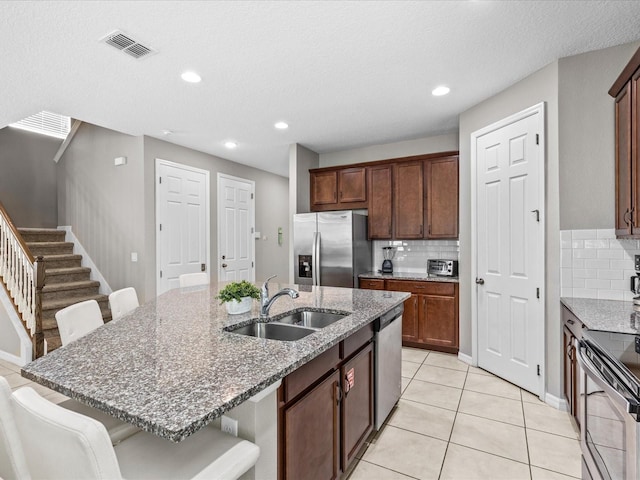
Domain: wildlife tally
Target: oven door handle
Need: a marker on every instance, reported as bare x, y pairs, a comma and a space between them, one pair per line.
625, 404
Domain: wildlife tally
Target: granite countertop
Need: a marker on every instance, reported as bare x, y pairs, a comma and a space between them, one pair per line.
423, 277
606, 315
170, 368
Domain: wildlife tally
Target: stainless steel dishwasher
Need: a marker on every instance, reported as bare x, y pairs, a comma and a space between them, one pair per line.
388, 363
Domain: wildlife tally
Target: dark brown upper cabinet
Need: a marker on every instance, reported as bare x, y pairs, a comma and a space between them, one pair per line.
441, 197
380, 186
408, 211
338, 188
627, 140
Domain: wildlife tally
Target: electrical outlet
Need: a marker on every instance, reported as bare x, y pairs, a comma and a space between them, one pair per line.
229, 425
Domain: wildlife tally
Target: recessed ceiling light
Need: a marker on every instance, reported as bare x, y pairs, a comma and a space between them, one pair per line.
191, 77
230, 144
439, 91
281, 126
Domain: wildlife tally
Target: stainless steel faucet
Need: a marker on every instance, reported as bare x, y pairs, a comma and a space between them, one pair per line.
266, 302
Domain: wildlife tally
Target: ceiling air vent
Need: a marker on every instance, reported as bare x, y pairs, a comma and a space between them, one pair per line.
128, 45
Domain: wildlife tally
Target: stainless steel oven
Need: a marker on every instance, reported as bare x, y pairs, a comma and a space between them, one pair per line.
610, 407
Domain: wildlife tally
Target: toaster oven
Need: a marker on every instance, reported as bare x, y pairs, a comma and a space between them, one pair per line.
442, 268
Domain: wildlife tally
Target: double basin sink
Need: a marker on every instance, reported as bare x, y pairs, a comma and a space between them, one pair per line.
291, 327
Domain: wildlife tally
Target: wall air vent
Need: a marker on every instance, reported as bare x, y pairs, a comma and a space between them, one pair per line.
128, 45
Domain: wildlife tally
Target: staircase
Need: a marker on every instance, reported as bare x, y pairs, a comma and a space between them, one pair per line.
66, 282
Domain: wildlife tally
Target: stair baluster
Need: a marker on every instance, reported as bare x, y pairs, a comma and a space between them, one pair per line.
23, 277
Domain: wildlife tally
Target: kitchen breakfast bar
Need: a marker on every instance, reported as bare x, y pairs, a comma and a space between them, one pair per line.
172, 366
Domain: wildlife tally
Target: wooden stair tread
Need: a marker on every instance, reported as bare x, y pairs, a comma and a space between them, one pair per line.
60, 287
60, 303
62, 256
66, 270
40, 230
49, 244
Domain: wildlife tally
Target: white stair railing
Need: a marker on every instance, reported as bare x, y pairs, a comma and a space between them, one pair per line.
23, 277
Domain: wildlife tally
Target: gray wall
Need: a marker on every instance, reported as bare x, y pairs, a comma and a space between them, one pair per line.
541, 86
439, 143
587, 149
271, 208
9, 340
104, 204
301, 159
28, 179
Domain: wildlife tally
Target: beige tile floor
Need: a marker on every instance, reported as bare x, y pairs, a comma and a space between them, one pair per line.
459, 422
452, 422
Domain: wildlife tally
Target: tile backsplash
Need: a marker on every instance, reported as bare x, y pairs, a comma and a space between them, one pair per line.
412, 255
594, 264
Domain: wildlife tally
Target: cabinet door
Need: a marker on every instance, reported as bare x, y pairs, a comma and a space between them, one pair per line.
624, 172
438, 321
410, 320
635, 151
569, 370
380, 201
441, 191
353, 185
311, 433
324, 188
357, 403
407, 200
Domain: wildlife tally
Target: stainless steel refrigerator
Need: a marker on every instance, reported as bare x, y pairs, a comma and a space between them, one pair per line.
330, 248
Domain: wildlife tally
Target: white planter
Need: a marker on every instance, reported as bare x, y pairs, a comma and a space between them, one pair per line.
242, 306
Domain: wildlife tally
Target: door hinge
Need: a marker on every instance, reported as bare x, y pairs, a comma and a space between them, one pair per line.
160, 179
160, 273
252, 229
252, 196
537, 139
251, 264
537, 292
160, 227
538, 370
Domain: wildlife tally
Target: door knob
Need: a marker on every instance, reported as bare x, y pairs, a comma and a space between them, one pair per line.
224, 265
480, 281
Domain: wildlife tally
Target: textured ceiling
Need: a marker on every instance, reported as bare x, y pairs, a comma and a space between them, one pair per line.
342, 74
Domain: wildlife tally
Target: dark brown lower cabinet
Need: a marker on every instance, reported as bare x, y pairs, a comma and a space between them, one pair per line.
357, 404
410, 318
311, 429
430, 318
326, 411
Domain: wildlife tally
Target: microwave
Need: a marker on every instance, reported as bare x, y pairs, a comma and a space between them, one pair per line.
442, 268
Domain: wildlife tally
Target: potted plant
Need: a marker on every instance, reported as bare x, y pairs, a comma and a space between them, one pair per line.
238, 296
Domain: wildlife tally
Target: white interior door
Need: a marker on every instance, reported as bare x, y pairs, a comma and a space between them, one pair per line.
182, 216
509, 254
236, 220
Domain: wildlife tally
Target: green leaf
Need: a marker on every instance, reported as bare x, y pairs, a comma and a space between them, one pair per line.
237, 290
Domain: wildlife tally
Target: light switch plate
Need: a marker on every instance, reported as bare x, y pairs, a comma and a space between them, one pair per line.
134, 256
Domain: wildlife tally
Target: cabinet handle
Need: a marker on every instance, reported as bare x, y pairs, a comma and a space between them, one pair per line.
627, 212
631, 216
338, 393
346, 387
570, 322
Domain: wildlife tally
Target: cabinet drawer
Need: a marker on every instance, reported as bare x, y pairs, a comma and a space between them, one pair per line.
422, 288
572, 322
298, 381
372, 284
357, 340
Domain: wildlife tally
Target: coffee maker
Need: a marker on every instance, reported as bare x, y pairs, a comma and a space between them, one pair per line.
388, 253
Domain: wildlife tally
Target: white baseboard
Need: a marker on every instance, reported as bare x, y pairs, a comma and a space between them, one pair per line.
463, 357
78, 249
556, 402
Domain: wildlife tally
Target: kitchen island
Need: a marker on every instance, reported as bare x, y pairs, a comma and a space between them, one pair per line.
171, 368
